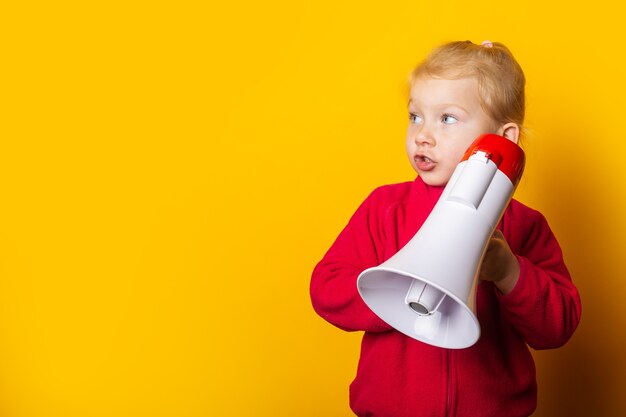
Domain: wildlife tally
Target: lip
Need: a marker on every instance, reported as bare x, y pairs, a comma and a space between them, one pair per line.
424, 163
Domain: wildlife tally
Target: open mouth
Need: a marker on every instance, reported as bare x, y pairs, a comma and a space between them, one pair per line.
424, 163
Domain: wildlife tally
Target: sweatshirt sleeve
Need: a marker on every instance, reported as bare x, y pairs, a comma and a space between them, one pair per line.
545, 305
333, 289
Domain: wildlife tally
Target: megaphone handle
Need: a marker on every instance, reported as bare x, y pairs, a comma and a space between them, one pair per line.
473, 183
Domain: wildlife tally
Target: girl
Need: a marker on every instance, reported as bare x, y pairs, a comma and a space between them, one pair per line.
526, 296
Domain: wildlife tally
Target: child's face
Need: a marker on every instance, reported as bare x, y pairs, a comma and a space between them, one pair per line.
445, 116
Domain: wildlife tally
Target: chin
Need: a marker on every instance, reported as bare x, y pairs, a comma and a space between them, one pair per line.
436, 177
433, 181
435, 184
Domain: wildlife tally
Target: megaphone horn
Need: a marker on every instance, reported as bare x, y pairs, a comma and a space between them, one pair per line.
427, 290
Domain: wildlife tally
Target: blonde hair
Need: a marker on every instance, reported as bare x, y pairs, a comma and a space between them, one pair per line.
500, 78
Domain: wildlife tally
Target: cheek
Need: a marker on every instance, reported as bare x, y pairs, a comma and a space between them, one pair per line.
409, 150
461, 148
454, 151
409, 132
409, 142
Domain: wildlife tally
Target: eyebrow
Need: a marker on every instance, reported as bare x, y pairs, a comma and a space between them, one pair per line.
444, 105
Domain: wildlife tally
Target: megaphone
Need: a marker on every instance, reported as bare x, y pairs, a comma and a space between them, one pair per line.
428, 289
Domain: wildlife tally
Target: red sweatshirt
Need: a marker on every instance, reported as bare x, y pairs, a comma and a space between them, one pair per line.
401, 377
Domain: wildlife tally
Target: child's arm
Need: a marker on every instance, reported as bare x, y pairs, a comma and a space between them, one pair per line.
333, 284
544, 305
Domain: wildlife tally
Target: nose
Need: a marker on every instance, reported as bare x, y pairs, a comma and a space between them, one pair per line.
424, 136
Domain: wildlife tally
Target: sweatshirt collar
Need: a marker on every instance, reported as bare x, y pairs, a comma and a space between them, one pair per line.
432, 191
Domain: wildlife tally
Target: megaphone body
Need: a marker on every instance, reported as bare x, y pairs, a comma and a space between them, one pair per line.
427, 290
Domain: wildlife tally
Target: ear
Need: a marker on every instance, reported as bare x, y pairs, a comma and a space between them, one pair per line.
510, 131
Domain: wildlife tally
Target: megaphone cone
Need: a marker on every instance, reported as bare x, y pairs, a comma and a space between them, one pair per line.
427, 290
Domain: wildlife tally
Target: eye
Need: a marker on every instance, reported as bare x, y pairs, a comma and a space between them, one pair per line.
414, 118
449, 119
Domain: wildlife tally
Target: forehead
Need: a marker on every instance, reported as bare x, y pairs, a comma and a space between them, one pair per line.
439, 92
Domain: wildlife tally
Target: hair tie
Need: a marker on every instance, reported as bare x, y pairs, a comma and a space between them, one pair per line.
487, 44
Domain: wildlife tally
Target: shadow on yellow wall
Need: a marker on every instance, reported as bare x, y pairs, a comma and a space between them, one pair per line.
581, 195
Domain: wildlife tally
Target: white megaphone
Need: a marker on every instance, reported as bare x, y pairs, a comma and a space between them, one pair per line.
427, 290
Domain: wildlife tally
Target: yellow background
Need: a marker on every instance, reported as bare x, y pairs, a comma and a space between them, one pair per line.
170, 173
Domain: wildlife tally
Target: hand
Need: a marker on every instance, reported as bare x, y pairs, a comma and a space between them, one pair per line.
500, 264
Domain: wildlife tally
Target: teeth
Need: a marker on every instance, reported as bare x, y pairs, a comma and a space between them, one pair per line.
427, 159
